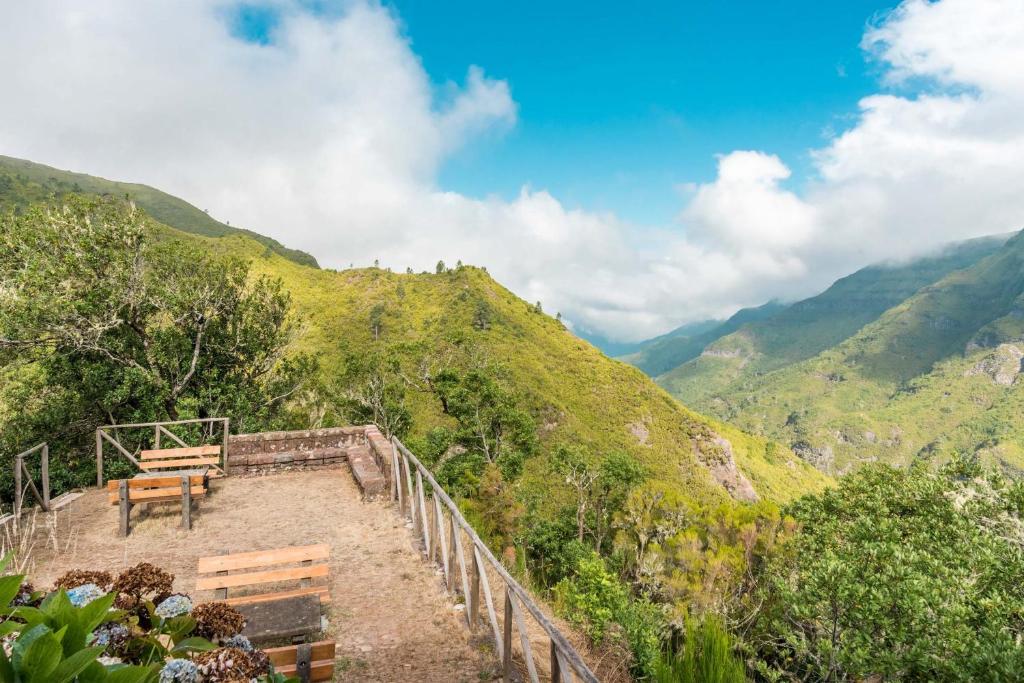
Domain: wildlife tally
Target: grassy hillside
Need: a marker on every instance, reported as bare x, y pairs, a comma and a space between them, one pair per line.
575, 392
935, 374
806, 328
661, 354
24, 182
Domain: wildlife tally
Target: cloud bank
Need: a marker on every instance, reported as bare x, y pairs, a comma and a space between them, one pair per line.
330, 138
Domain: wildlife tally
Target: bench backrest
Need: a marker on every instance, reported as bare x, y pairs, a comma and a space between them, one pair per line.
261, 569
320, 663
178, 458
154, 487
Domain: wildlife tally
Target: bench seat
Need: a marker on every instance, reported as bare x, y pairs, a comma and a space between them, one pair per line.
264, 572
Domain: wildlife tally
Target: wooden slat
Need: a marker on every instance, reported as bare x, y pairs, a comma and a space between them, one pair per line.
263, 558
282, 656
148, 465
322, 591
155, 482
157, 495
319, 670
191, 452
255, 578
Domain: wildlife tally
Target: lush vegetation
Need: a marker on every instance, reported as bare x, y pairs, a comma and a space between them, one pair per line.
96, 628
103, 321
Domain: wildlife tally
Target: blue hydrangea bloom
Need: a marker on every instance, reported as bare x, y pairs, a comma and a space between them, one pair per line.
239, 641
174, 606
110, 633
81, 596
179, 671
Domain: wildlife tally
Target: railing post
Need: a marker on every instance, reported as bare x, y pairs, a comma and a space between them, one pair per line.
443, 542
156, 437
556, 666
224, 448
45, 470
99, 460
412, 496
506, 641
474, 594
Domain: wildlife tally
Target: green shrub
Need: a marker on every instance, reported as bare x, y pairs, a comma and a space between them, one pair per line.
706, 656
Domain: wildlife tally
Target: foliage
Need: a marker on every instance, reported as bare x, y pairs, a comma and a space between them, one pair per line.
904, 575
490, 422
372, 390
91, 641
706, 655
120, 326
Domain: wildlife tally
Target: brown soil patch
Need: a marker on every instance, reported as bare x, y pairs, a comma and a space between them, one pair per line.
389, 614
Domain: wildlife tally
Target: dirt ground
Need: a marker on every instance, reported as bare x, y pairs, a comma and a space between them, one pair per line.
389, 614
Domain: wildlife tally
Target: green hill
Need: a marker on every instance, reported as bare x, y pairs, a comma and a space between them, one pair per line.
577, 394
25, 182
671, 350
799, 331
934, 374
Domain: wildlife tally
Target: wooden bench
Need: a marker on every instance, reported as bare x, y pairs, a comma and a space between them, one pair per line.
131, 492
262, 568
205, 457
308, 662
152, 489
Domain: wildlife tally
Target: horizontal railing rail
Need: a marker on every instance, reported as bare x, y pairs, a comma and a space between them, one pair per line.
21, 470
108, 434
444, 539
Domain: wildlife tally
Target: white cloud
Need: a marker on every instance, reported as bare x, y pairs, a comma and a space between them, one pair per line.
331, 139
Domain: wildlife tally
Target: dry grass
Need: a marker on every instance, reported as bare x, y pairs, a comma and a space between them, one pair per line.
25, 536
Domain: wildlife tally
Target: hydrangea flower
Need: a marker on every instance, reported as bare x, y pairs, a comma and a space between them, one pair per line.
174, 606
110, 635
84, 594
109, 661
179, 671
239, 641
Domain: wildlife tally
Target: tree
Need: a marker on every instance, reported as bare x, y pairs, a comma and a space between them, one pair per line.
490, 422
440, 268
377, 320
371, 389
599, 490
899, 575
120, 323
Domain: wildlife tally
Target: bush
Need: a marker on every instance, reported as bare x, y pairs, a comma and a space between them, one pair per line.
705, 656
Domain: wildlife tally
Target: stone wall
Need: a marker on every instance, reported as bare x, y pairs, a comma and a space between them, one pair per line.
289, 450
365, 449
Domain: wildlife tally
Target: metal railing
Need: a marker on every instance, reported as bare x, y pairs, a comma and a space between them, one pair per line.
444, 538
160, 429
21, 470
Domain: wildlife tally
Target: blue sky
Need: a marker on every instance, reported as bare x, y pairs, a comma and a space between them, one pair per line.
617, 106
665, 152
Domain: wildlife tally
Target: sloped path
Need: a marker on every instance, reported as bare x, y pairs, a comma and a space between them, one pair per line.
389, 615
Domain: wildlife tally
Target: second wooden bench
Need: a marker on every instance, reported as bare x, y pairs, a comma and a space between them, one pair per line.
262, 570
131, 492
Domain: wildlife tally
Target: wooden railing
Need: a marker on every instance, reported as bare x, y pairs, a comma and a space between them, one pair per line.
21, 470
108, 434
443, 538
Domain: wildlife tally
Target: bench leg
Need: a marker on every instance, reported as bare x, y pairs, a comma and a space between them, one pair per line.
186, 503
126, 507
303, 662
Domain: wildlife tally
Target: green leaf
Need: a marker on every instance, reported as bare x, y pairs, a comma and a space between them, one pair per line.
134, 674
6, 560
6, 669
93, 614
75, 664
41, 659
194, 644
9, 586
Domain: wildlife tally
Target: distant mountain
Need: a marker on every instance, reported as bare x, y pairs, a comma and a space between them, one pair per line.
935, 373
24, 182
806, 328
663, 353
615, 349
